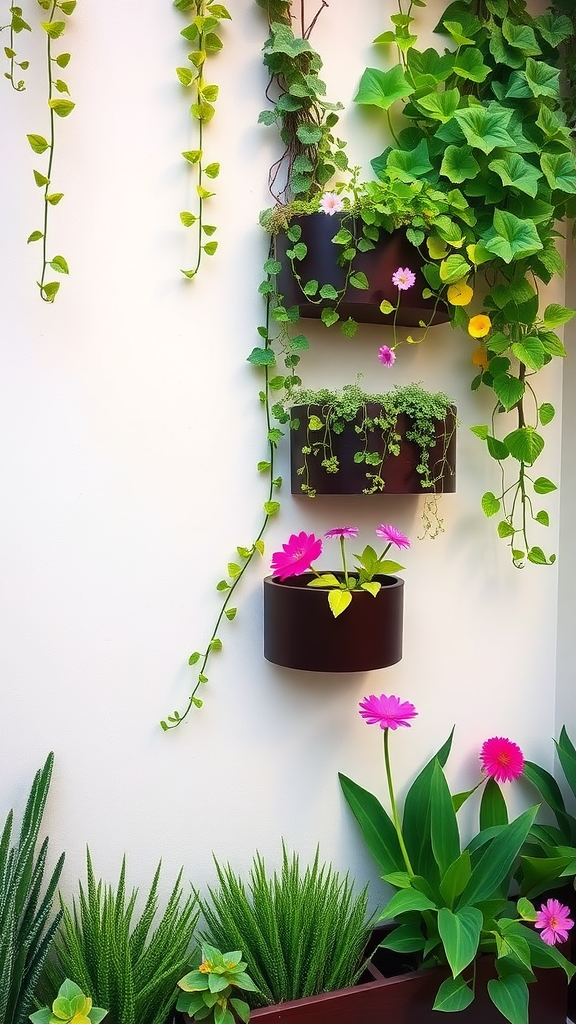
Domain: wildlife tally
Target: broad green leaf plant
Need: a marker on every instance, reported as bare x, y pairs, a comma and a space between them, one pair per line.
209, 992
70, 1006
452, 901
203, 33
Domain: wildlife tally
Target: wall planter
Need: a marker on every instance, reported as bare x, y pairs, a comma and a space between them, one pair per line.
378, 264
408, 997
398, 472
301, 632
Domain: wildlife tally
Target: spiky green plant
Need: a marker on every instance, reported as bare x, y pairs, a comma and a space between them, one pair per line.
300, 933
115, 956
25, 936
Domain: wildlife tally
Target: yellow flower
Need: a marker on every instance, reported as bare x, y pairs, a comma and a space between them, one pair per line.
479, 326
460, 294
480, 357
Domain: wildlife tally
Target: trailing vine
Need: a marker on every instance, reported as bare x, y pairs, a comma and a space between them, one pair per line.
15, 26
203, 33
58, 106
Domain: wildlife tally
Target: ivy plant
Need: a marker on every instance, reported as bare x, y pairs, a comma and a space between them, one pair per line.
203, 33
15, 26
59, 105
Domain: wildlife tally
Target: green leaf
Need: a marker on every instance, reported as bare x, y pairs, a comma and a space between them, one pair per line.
453, 995
510, 996
515, 172
406, 938
234, 570
271, 507
490, 504
544, 486
454, 268
555, 315
405, 901
41, 179
359, 280
339, 601
188, 219
382, 88
493, 809
524, 444
511, 237
440, 105
460, 934
505, 529
375, 824
54, 198
496, 862
508, 389
469, 65
261, 357
485, 128
530, 352
192, 155
38, 143
185, 76
212, 170
329, 317
542, 79
458, 164
62, 60
444, 833
496, 449
54, 29
210, 248
61, 107
409, 164
50, 290
308, 134
59, 264
231, 613
456, 878
35, 236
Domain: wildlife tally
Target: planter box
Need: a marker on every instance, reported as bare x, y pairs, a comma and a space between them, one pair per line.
319, 264
408, 999
399, 472
301, 632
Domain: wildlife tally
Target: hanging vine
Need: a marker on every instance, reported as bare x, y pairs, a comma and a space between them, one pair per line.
15, 26
59, 106
203, 33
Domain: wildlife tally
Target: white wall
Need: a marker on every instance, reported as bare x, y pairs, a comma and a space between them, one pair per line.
130, 433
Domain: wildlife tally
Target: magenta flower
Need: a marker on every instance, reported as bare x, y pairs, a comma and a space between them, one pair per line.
386, 356
403, 278
553, 917
392, 535
502, 759
331, 203
296, 556
387, 712
343, 531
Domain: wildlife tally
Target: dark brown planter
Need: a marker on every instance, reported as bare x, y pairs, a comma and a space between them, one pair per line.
399, 472
319, 264
408, 999
301, 632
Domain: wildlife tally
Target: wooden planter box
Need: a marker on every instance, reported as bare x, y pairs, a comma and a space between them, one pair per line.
378, 264
408, 999
399, 472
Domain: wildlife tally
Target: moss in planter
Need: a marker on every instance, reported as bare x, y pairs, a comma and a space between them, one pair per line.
378, 436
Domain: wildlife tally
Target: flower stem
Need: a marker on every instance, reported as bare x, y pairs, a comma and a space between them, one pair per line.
343, 550
395, 818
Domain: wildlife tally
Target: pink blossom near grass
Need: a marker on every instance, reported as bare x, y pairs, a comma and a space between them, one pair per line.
555, 921
502, 759
403, 278
343, 531
331, 203
386, 356
387, 712
388, 532
296, 556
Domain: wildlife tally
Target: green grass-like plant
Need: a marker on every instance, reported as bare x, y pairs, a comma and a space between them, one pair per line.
113, 955
301, 933
25, 936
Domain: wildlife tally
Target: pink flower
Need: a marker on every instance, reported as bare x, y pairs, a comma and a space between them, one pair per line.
403, 279
553, 917
392, 535
502, 759
343, 531
331, 203
386, 356
387, 712
296, 556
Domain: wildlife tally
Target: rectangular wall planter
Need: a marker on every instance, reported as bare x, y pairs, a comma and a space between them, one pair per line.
408, 999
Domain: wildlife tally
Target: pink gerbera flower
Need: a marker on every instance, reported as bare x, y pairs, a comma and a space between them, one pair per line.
343, 531
387, 712
296, 556
403, 278
555, 921
386, 356
502, 759
392, 535
331, 203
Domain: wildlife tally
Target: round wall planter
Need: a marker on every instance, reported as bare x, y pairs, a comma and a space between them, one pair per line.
399, 472
300, 631
319, 264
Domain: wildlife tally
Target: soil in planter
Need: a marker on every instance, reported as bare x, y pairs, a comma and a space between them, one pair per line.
378, 264
399, 472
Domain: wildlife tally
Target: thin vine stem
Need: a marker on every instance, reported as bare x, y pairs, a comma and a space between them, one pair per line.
52, 139
394, 809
